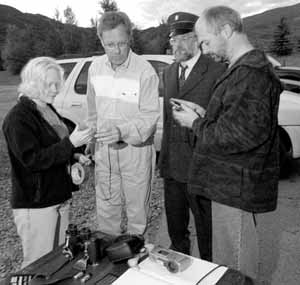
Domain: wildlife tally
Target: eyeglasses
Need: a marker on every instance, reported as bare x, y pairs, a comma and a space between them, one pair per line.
119, 45
175, 40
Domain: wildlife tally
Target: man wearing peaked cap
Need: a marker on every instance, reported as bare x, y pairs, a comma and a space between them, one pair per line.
191, 77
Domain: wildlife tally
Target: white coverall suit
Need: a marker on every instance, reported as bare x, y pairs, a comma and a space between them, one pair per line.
127, 98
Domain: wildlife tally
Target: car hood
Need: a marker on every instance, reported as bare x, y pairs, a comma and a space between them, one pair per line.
289, 109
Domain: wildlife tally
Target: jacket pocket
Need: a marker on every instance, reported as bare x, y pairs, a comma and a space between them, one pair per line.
220, 179
259, 187
226, 177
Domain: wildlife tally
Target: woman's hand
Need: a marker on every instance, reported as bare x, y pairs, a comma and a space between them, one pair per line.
81, 137
82, 158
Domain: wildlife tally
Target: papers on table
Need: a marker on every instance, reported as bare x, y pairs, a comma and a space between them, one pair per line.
152, 273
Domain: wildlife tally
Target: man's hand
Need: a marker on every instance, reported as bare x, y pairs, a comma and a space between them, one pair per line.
108, 136
185, 117
195, 107
187, 113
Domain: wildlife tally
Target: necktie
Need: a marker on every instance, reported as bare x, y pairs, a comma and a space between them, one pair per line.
182, 75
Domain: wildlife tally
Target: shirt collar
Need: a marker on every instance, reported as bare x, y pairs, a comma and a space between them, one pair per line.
192, 61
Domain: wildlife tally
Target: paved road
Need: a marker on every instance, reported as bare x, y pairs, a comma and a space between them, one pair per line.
280, 239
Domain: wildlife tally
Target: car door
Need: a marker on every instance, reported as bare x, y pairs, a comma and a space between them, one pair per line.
75, 107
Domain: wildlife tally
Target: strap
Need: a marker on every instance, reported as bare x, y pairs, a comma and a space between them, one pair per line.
57, 228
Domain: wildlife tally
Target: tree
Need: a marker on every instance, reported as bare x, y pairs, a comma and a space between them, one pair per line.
108, 5
18, 47
135, 41
282, 45
94, 22
57, 16
70, 17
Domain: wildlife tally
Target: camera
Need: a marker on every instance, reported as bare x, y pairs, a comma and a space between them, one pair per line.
174, 261
125, 247
82, 240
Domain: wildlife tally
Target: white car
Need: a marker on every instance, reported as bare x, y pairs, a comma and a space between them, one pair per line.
71, 104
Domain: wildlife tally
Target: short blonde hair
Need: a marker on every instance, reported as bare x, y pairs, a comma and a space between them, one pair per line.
33, 76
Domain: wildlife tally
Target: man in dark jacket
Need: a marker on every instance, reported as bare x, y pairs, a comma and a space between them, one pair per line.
235, 162
200, 72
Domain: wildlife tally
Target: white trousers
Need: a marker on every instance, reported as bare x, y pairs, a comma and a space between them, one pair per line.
235, 239
123, 181
38, 229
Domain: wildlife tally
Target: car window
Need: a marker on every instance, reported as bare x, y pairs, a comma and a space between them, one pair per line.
288, 74
67, 67
159, 67
291, 85
81, 81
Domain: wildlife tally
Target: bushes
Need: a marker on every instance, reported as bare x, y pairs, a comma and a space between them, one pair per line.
45, 39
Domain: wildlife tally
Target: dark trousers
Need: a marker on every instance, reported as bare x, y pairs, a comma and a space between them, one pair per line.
177, 204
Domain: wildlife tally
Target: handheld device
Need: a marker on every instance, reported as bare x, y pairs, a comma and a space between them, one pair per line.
174, 261
176, 104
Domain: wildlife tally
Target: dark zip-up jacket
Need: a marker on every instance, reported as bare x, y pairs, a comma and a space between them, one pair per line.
39, 158
236, 158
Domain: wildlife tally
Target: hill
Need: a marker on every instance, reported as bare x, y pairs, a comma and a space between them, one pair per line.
260, 27
12, 16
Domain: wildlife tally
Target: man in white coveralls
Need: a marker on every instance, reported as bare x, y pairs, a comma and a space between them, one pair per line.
123, 106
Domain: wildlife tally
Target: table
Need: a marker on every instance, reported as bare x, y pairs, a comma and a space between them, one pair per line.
103, 273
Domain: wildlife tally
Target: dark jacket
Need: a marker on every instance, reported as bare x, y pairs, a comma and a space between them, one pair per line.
39, 158
236, 160
178, 142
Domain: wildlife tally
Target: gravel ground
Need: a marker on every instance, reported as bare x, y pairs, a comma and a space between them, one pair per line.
82, 213
83, 207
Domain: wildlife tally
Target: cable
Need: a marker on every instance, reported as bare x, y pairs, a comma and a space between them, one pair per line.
209, 272
109, 197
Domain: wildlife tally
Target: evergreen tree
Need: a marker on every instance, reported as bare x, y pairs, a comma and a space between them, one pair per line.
108, 5
282, 45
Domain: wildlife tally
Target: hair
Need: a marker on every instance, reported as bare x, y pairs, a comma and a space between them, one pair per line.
218, 16
113, 19
33, 75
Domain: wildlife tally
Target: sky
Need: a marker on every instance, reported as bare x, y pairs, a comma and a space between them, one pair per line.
143, 13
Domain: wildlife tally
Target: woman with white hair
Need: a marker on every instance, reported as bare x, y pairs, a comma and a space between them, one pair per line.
40, 149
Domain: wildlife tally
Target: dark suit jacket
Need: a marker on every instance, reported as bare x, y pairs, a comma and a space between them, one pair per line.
178, 142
